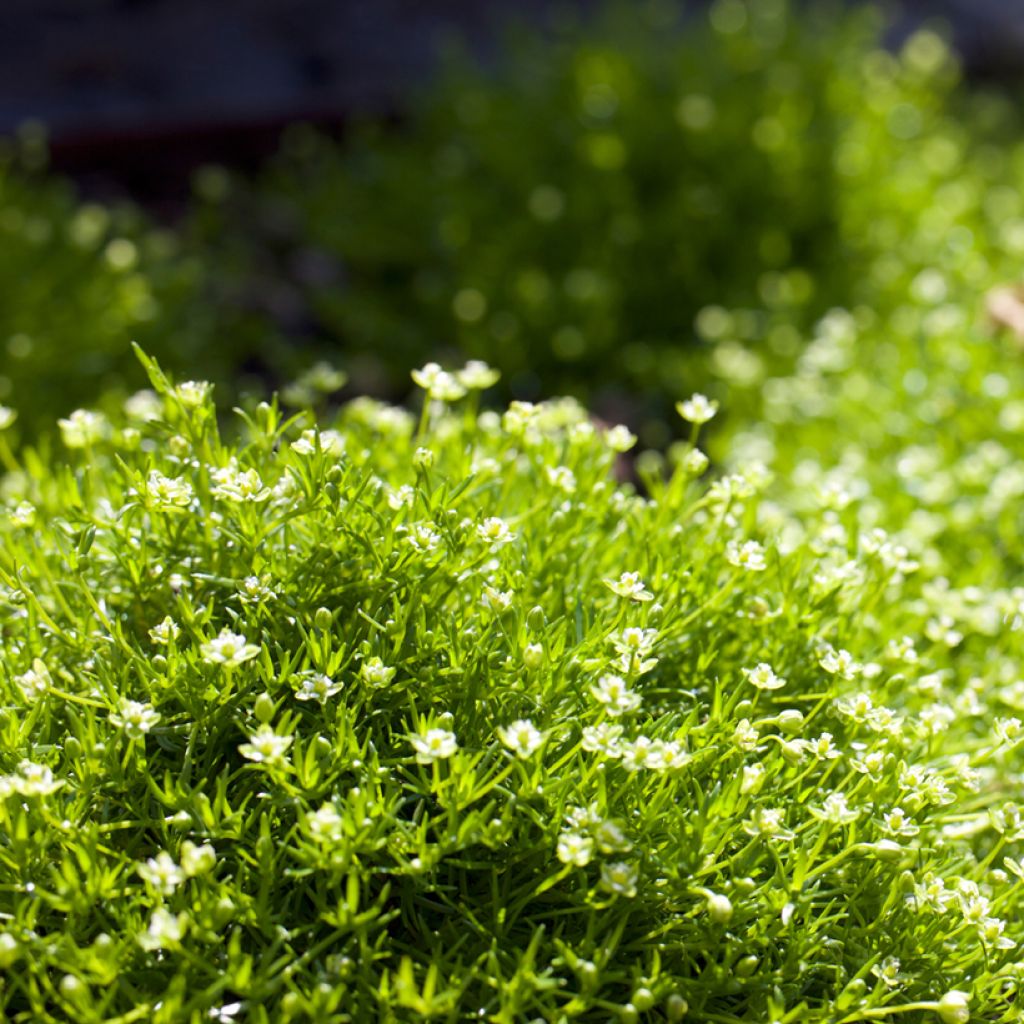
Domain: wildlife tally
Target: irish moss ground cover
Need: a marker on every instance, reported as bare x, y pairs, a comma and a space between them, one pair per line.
425, 716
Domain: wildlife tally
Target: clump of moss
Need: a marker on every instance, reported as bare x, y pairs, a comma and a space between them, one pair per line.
406, 717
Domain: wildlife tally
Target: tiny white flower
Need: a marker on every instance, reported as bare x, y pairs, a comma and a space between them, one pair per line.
167, 492
643, 752
82, 428
497, 600
401, 497
325, 825
433, 745
438, 383
24, 514
763, 677
228, 649
839, 663
255, 589
614, 693
620, 438
236, 485
477, 375
266, 746
35, 682
134, 717
768, 822
495, 532
835, 810
522, 737
32, 779
603, 739
193, 393
165, 632
575, 849
375, 673
619, 879
316, 686
166, 930
697, 409
562, 478
629, 585
749, 555
7, 417
162, 873
144, 405
197, 860
330, 442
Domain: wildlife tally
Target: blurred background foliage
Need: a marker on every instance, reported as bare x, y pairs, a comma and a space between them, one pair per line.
629, 206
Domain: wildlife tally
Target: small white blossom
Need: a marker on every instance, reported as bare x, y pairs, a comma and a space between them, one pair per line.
330, 442
35, 682
476, 375
620, 438
255, 589
162, 873
228, 649
603, 739
438, 383
31, 779
433, 745
575, 849
839, 663
239, 486
167, 492
522, 737
135, 718
763, 677
614, 693
165, 632
629, 585
82, 428
316, 686
193, 393
495, 532
562, 478
835, 810
266, 746
375, 673
197, 859
144, 405
619, 879
24, 514
749, 555
166, 930
325, 825
697, 409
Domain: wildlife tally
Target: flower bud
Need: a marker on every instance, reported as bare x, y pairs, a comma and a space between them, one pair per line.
533, 656
643, 998
264, 709
720, 908
790, 720
676, 1007
953, 1007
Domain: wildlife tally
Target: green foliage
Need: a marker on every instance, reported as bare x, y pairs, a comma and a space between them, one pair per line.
400, 720
78, 283
579, 211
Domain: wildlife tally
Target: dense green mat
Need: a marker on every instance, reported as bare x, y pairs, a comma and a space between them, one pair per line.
406, 720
